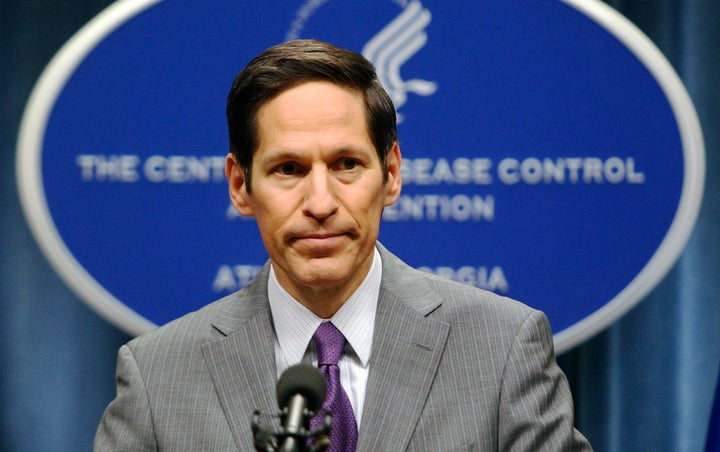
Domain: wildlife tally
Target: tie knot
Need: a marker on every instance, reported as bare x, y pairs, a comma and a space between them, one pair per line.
329, 343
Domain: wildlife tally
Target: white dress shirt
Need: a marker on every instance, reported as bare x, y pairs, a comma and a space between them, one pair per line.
295, 324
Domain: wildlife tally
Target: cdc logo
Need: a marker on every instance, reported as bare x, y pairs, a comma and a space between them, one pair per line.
564, 172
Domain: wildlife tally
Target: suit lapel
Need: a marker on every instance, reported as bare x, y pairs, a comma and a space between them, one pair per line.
407, 347
242, 363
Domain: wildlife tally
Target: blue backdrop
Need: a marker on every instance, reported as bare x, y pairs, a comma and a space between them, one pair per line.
646, 382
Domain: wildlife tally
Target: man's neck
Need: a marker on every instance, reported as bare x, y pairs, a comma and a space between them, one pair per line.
324, 298
324, 301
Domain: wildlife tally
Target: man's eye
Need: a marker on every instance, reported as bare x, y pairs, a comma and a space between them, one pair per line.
348, 164
287, 169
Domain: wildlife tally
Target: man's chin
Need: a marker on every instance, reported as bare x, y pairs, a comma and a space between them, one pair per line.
325, 271
320, 273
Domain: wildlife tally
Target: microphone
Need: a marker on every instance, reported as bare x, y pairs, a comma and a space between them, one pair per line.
300, 389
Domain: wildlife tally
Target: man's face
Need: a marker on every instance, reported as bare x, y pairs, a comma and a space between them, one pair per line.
317, 190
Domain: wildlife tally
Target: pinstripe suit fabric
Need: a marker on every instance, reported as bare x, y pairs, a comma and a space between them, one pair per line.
452, 368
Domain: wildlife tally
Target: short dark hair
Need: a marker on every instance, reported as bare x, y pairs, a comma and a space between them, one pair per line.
290, 64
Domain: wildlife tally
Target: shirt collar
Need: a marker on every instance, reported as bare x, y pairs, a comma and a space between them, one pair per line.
295, 324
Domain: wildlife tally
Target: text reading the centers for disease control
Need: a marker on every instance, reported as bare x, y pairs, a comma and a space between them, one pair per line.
434, 189
130, 168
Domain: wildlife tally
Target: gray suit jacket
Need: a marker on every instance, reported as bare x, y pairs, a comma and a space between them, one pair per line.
452, 368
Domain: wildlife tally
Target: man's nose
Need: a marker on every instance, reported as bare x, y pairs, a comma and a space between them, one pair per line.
320, 201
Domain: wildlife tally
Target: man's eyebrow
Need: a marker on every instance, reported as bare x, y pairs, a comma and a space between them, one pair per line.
337, 151
280, 156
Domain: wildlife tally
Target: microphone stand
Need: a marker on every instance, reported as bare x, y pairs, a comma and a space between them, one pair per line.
292, 437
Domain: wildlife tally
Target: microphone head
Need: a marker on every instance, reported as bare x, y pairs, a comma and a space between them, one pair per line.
305, 380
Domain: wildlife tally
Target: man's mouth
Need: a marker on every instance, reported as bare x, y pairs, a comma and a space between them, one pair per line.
320, 241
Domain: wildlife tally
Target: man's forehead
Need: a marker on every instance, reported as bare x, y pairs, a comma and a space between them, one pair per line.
313, 108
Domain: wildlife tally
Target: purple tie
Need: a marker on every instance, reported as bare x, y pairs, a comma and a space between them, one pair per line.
329, 343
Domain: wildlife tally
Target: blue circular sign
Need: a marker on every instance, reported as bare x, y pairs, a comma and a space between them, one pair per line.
550, 152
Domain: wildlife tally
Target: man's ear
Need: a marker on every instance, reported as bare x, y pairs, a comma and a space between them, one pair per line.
394, 181
237, 186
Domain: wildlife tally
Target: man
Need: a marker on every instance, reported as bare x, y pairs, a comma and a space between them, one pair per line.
427, 364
